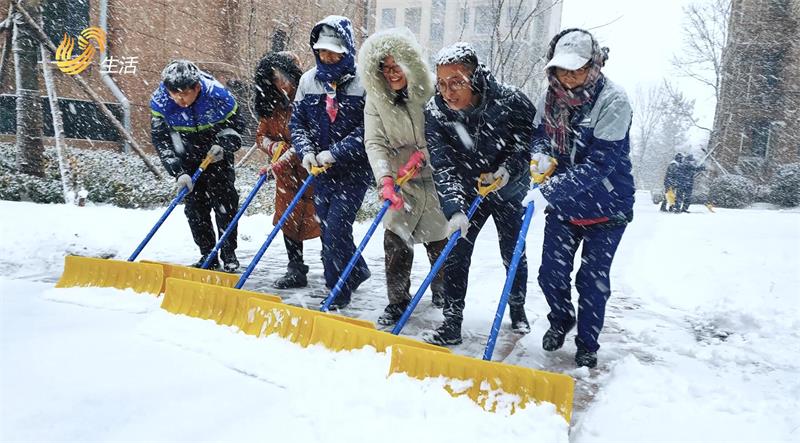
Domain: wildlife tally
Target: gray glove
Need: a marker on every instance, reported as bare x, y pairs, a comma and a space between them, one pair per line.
326, 158
217, 153
184, 181
458, 222
310, 160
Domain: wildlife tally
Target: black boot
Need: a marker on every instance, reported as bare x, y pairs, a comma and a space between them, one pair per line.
338, 304
231, 262
392, 313
214, 266
295, 277
447, 334
585, 358
438, 300
519, 321
554, 337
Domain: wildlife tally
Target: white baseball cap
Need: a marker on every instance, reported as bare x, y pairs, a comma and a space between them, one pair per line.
573, 50
329, 39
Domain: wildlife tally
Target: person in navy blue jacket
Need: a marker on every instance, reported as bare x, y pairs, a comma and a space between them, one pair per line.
327, 127
477, 128
194, 115
582, 134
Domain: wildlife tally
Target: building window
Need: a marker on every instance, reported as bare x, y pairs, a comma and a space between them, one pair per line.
760, 139
388, 18
413, 19
438, 8
484, 20
65, 17
772, 68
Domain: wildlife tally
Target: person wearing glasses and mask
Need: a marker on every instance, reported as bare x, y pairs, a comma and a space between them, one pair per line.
477, 128
398, 84
582, 139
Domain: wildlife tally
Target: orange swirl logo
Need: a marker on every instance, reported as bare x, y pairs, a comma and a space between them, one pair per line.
73, 66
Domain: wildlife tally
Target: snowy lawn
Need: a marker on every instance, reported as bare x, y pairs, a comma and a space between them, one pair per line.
701, 342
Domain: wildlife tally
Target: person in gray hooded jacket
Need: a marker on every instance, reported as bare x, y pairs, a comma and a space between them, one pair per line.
398, 84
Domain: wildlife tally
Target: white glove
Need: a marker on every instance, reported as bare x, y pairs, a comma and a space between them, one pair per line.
310, 160
184, 181
217, 153
540, 163
535, 196
502, 174
325, 158
458, 222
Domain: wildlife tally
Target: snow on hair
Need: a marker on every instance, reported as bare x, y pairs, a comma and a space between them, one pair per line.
460, 53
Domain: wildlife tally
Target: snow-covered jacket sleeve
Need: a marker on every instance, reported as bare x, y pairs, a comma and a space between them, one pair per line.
376, 143
605, 151
162, 142
540, 143
229, 132
351, 148
523, 113
449, 183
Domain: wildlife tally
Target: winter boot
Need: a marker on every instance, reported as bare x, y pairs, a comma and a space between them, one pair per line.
554, 337
519, 321
295, 277
392, 313
447, 334
356, 280
585, 358
231, 266
438, 300
338, 304
214, 266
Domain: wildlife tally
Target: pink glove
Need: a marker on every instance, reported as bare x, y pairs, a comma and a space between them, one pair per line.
414, 164
388, 193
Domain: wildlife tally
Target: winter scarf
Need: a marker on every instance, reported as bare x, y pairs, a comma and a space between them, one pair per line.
562, 105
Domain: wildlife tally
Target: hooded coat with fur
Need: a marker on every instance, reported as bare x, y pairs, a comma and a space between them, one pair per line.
395, 129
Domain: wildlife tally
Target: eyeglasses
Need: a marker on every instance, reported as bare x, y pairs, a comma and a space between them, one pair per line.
567, 72
453, 84
390, 70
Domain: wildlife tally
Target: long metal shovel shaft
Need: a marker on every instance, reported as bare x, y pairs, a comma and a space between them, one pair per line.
354, 259
306, 183
232, 224
166, 214
512, 273
451, 243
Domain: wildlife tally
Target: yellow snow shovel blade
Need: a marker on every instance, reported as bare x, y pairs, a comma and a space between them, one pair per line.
120, 274
670, 197
488, 379
208, 276
206, 301
343, 337
290, 322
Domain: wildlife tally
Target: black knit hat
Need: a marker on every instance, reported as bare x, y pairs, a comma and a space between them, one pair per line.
179, 75
267, 96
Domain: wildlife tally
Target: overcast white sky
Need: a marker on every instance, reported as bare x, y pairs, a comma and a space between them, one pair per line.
643, 36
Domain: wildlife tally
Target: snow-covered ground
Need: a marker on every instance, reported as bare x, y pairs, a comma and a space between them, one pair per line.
701, 342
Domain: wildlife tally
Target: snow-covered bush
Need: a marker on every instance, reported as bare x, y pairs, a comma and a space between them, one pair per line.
731, 191
785, 185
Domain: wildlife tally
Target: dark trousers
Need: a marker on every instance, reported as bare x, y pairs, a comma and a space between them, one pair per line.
561, 241
214, 191
399, 257
336, 204
507, 216
294, 250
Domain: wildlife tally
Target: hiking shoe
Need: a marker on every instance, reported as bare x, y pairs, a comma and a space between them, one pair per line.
214, 266
585, 358
295, 277
519, 321
447, 334
438, 300
338, 304
231, 266
392, 313
554, 337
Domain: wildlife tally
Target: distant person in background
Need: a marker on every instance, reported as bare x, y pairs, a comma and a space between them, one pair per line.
193, 115
582, 138
687, 170
276, 80
671, 184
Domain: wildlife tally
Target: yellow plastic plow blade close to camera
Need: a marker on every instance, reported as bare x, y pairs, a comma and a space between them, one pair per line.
206, 301
489, 380
344, 337
107, 273
225, 279
293, 323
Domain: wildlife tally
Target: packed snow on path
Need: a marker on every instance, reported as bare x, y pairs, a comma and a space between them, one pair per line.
700, 343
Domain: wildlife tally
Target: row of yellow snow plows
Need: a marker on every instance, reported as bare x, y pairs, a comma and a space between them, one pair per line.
218, 296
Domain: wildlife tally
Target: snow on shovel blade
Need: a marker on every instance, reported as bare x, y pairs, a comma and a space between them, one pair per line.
293, 323
108, 273
225, 279
488, 382
206, 301
338, 336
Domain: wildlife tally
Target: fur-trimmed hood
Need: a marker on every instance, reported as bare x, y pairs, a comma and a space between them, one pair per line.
401, 44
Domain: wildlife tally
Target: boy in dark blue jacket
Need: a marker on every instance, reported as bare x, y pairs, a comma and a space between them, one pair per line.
193, 115
328, 129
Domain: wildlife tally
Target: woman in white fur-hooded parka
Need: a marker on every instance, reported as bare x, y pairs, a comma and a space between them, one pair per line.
398, 84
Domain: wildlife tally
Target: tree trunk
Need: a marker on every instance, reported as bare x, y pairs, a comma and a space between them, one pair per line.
30, 152
67, 184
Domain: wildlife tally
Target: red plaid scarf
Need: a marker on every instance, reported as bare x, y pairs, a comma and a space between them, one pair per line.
561, 104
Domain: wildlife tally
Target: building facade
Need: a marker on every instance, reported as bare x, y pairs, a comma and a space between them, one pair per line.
757, 122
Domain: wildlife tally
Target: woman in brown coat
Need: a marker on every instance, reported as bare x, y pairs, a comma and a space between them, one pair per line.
276, 83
